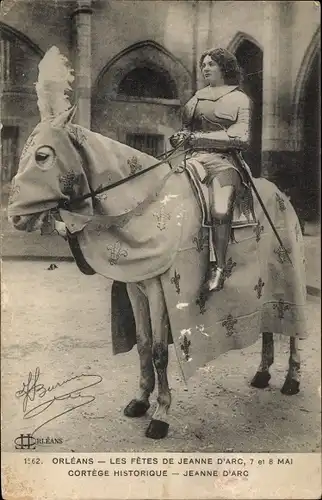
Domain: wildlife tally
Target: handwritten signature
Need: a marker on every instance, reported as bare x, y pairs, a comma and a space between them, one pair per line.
32, 389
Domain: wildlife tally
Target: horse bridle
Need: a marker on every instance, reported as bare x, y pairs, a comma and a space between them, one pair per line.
165, 158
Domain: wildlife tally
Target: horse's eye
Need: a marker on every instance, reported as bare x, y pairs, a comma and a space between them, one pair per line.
45, 157
41, 156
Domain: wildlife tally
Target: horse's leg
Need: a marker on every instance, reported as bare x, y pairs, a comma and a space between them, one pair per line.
159, 426
139, 406
262, 376
292, 381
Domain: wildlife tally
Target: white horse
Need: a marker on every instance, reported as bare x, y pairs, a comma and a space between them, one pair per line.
146, 234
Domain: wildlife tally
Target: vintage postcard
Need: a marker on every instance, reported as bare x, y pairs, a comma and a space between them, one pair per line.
160, 249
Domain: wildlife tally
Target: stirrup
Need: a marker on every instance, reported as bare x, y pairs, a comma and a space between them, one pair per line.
216, 282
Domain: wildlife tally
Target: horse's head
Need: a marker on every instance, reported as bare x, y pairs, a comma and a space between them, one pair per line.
62, 161
50, 172
50, 168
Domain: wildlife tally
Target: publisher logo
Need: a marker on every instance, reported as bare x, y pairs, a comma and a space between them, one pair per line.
25, 442
29, 442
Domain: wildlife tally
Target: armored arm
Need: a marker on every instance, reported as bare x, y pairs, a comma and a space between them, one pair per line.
187, 115
237, 136
176, 138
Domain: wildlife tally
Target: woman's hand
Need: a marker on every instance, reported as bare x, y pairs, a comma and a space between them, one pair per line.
175, 139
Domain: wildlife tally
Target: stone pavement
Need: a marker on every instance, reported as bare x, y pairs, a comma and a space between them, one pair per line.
59, 321
68, 332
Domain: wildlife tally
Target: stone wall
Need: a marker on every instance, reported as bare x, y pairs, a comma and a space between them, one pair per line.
99, 35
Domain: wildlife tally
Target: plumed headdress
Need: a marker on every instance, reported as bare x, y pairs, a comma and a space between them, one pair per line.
54, 82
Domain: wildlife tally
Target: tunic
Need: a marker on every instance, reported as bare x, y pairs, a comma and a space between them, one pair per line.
219, 119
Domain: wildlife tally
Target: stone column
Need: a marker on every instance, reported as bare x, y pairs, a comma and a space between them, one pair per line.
204, 26
279, 163
82, 44
194, 72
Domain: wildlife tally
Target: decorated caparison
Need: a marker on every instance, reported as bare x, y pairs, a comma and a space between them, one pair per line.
150, 235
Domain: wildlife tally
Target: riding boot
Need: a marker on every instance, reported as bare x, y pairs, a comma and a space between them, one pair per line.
221, 233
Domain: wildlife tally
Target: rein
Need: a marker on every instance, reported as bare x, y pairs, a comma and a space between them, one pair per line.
165, 158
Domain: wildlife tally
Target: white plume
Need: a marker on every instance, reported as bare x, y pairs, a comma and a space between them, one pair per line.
54, 81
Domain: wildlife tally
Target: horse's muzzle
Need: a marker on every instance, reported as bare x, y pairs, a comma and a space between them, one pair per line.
29, 223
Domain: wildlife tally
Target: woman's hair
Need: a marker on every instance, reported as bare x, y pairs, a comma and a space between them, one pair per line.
227, 63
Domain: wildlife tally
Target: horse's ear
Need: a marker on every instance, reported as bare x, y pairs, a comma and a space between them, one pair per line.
64, 118
73, 113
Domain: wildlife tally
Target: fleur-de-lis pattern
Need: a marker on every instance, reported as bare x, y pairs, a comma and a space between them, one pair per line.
200, 240
162, 217
229, 323
104, 195
281, 307
134, 164
258, 229
70, 182
175, 280
281, 202
115, 252
259, 287
201, 302
185, 347
246, 204
282, 254
229, 268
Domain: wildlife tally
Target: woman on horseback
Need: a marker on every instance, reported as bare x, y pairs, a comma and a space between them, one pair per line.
217, 121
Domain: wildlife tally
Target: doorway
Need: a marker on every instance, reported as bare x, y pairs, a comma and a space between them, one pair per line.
312, 144
250, 59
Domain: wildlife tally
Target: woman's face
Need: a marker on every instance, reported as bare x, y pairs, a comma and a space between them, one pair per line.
211, 72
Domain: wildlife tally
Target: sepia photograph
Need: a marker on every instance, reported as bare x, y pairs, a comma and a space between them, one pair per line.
160, 233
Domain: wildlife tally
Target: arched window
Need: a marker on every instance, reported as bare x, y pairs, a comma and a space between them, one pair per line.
145, 82
19, 59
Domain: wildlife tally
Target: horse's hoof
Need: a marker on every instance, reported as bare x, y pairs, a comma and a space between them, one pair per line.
290, 387
261, 380
203, 296
136, 408
157, 429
